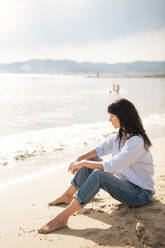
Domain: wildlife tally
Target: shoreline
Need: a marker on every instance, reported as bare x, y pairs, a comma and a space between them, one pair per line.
33, 167
30, 166
103, 222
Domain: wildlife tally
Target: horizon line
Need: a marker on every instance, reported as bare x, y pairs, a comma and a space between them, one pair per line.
41, 59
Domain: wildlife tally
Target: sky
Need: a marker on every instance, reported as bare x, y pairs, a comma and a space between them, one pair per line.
108, 31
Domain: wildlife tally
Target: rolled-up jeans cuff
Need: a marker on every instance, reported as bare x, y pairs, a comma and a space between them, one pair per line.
73, 183
75, 196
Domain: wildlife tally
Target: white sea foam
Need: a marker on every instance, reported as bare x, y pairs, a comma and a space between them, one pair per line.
35, 143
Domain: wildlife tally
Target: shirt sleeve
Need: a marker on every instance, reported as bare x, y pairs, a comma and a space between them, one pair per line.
105, 148
128, 155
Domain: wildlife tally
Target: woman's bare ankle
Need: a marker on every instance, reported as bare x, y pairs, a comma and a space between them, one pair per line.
64, 199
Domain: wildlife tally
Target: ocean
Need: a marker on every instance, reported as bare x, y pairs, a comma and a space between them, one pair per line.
47, 119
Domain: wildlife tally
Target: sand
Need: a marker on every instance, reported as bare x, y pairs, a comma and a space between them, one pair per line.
102, 223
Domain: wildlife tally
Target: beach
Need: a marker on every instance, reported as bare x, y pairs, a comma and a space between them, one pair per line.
74, 75
47, 122
104, 222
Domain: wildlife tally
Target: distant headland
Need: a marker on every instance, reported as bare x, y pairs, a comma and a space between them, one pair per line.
50, 66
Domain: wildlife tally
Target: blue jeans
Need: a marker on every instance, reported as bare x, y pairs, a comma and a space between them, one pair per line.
88, 182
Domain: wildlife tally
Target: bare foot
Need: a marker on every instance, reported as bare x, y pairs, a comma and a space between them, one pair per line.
61, 200
52, 225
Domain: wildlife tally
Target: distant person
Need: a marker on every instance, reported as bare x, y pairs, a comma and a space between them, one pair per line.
127, 176
114, 88
117, 89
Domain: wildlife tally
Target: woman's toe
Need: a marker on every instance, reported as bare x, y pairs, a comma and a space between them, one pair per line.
44, 229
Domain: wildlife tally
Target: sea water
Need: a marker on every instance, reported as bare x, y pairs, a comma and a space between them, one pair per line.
43, 116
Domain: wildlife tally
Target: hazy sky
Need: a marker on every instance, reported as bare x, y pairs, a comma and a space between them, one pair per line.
82, 30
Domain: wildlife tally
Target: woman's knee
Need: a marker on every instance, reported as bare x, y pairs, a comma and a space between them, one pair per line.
83, 173
97, 172
85, 170
80, 177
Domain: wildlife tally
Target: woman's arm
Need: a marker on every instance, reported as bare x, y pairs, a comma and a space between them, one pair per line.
102, 149
88, 155
75, 166
92, 165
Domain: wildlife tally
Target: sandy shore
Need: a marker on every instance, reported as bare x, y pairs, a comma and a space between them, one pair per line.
102, 223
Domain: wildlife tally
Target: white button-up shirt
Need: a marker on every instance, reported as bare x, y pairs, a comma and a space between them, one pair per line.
131, 162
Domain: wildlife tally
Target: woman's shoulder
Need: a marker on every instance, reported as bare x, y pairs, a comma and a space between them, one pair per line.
136, 137
135, 141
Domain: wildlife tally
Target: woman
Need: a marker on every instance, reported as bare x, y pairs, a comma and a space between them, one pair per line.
127, 176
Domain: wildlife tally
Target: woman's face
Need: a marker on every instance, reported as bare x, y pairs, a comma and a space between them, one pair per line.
115, 120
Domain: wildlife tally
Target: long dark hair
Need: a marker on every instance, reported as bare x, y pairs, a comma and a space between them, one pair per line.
130, 121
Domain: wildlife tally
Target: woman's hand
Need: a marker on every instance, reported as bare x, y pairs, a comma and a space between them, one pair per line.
75, 166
